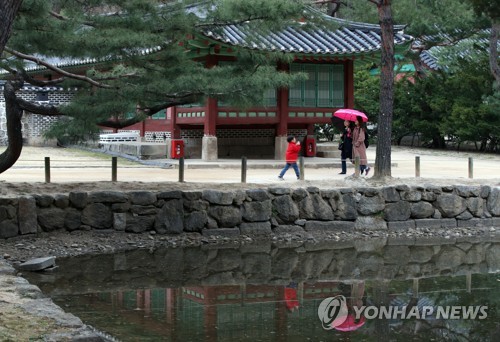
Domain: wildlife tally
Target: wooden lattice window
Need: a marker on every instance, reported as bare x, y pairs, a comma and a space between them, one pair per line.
324, 86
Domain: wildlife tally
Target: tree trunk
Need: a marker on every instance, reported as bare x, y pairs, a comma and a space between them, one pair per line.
383, 151
14, 114
8, 11
495, 69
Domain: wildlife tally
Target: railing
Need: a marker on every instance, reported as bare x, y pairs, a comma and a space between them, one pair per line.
118, 137
180, 165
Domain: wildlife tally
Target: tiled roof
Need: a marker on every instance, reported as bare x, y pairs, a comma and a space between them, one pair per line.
430, 59
349, 39
32, 88
68, 62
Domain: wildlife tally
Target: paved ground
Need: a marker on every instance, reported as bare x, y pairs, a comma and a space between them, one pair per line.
70, 165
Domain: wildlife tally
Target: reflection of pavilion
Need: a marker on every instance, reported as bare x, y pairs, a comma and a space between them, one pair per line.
217, 313
258, 312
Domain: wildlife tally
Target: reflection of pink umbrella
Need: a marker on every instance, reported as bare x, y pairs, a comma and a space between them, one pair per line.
350, 114
350, 323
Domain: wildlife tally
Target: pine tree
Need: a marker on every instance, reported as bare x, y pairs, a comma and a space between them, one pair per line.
143, 59
8, 11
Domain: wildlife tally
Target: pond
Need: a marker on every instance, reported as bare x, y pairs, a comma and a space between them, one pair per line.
418, 289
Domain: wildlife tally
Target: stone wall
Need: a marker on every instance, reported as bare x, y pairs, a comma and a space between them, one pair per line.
255, 212
34, 125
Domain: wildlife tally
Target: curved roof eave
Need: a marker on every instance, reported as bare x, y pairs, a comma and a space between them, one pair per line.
349, 39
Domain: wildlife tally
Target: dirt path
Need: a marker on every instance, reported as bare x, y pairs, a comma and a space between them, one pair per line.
76, 168
83, 171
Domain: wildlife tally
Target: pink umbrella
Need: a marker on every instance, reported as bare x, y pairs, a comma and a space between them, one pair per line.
350, 323
350, 114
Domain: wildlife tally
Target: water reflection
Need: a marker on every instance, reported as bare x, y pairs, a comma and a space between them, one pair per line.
260, 312
272, 293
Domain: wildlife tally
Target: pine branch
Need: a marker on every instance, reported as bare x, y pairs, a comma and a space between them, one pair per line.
40, 83
323, 2
63, 18
336, 5
155, 109
227, 23
423, 43
49, 66
120, 123
38, 109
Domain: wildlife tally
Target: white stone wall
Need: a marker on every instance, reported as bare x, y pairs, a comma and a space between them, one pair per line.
3, 122
34, 125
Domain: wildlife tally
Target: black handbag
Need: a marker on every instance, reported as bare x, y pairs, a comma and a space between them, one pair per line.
341, 145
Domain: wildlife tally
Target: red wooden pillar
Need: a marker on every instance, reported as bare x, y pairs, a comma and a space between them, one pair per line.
210, 314
171, 297
143, 129
211, 112
209, 148
349, 84
282, 129
170, 302
310, 129
210, 128
175, 132
280, 143
139, 297
147, 302
119, 298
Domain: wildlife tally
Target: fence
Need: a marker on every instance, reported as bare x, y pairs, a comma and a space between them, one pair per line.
244, 167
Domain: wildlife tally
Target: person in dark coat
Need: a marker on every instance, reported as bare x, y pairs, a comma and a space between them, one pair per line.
346, 145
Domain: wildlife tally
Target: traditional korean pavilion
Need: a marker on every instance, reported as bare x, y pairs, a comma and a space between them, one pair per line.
213, 130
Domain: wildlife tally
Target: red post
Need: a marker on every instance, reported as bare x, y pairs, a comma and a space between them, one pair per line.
282, 129
210, 123
175, 132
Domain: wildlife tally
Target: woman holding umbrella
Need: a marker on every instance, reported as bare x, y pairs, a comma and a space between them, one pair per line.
346, 145
358, 136
358, 142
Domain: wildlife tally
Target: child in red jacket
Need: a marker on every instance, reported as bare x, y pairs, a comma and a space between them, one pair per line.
291, 301
292, 153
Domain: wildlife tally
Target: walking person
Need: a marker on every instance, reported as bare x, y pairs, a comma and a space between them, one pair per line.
292, 153
346, 145
291, 301
358, 142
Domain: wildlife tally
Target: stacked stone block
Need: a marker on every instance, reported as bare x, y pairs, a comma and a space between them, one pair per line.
255, 212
